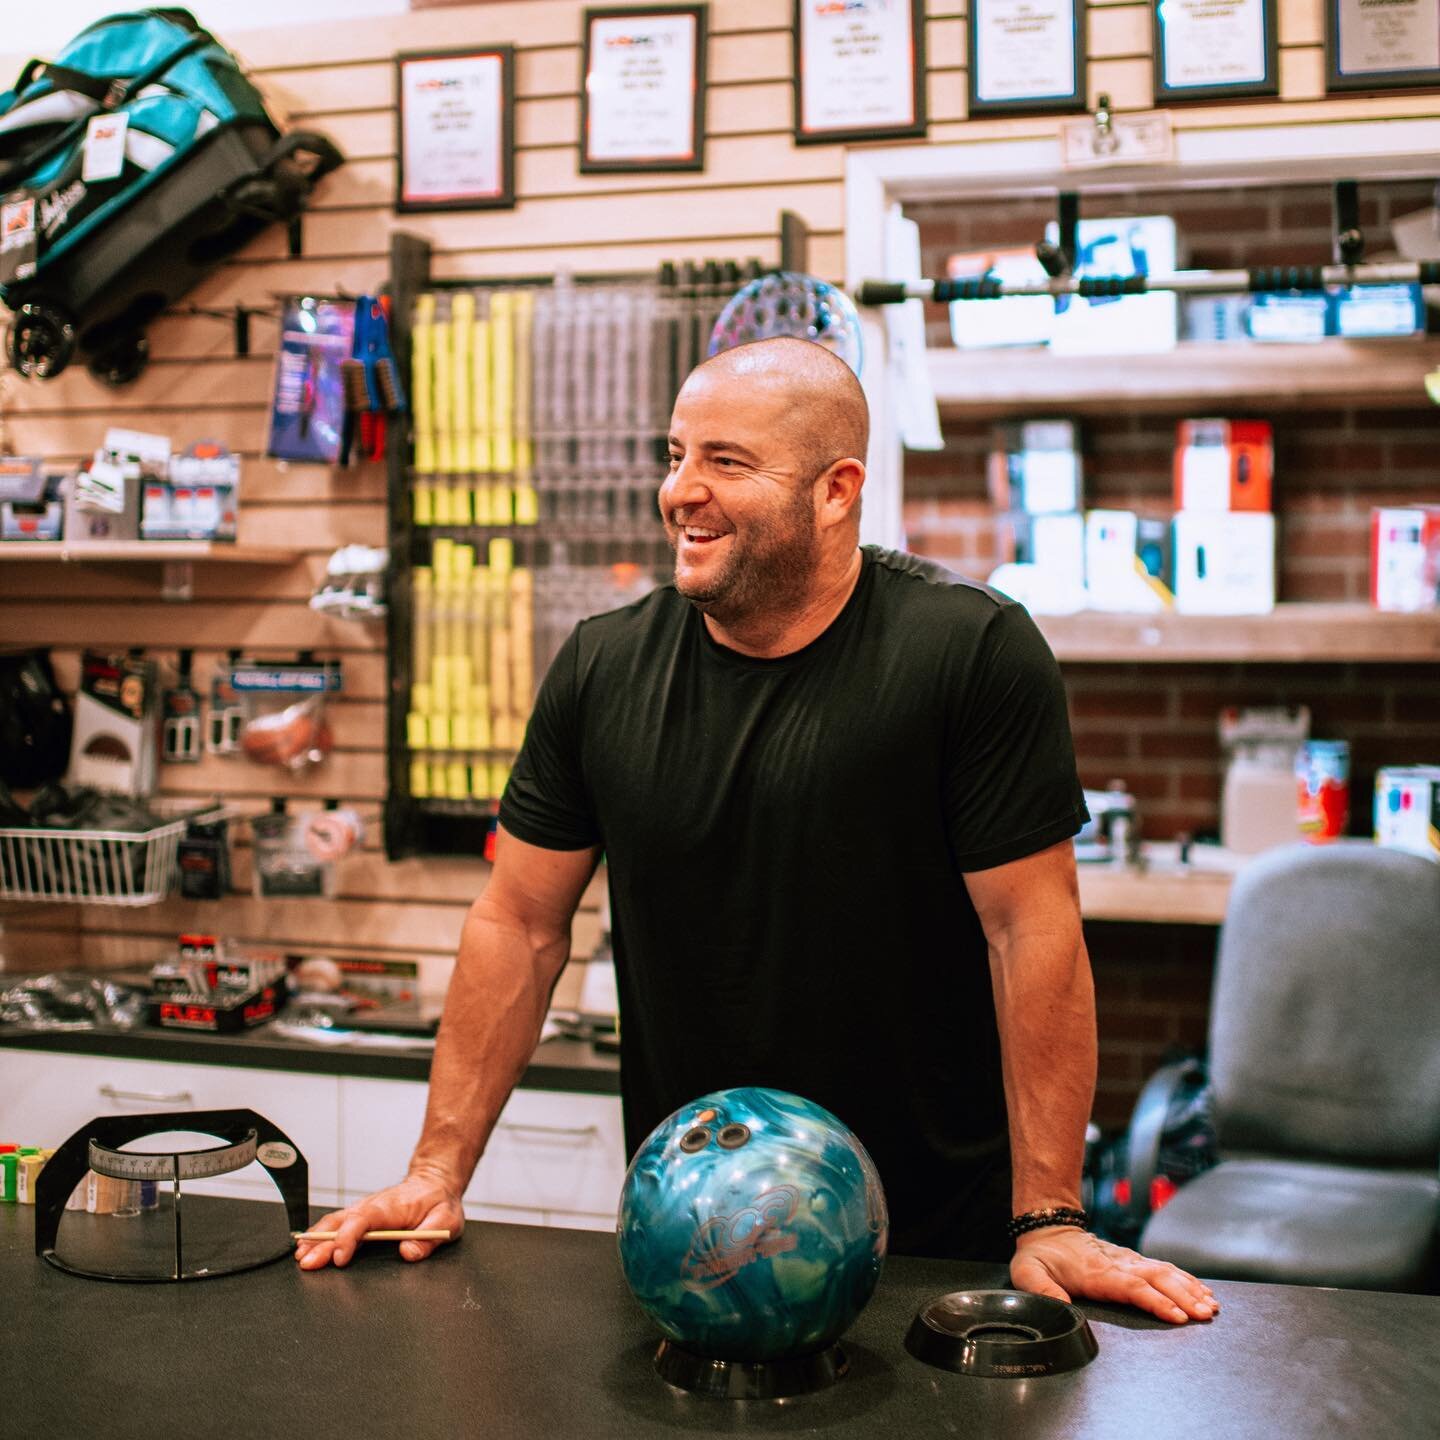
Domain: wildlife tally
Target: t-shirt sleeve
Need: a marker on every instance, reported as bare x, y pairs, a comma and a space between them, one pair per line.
546, 802
1011, 787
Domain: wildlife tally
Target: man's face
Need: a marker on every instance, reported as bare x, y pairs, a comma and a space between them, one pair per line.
738, 505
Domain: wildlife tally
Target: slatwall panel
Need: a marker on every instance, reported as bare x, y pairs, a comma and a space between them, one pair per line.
340, 79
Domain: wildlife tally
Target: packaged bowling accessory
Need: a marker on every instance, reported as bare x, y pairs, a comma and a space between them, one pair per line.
1013, 320
203, 858
1405, 558
307, 414
1288, 319
1369, 311
1407, 809
1224, 465
354, 584
1128, 565
32, 503
1257, 802
227, 710
284, 705
216, 986
286, 866
105, 497
372, 382
1034, 467
35, 721
1322, 782
117, 724
220, 1244
1224, 563
333, 832
197, 499
180, 727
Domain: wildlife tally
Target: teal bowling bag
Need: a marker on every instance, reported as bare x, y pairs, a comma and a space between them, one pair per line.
130, 166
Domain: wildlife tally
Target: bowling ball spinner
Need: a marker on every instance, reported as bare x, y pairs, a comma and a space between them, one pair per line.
752, 1229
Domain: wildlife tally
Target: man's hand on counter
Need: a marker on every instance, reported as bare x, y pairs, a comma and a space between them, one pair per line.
1067, 1264
421, 1201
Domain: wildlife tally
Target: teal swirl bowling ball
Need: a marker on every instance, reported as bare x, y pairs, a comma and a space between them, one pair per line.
752, 1226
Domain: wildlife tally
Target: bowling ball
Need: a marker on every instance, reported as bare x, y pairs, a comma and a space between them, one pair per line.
787, 303
752, 1226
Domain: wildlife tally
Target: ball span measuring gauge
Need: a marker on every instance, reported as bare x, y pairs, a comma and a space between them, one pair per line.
246, 1137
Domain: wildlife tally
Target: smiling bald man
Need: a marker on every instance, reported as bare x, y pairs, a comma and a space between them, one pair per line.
836, 792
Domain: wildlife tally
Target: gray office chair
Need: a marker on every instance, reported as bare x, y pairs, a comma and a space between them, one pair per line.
1325, 1063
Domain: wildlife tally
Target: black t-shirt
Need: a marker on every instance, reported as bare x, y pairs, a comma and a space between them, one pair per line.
787, 841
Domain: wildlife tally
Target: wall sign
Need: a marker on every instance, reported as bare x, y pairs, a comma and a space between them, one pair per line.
1382, 44
859, 70
455, 129
642, 104
1026, 55
1214, 49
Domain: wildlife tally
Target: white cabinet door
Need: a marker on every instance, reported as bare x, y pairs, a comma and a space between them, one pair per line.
554, 1157
46, 1096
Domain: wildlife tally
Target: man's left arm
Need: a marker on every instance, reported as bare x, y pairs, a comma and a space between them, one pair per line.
1045, 1006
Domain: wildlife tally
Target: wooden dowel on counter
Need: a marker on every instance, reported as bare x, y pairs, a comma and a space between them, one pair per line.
373, 1235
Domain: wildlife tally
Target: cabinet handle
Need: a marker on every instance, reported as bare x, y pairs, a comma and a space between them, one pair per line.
557, 1132
181, 1097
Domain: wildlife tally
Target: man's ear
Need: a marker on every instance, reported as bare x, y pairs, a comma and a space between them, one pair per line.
842, 483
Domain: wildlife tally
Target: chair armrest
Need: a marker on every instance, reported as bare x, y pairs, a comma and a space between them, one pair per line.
1147, 1126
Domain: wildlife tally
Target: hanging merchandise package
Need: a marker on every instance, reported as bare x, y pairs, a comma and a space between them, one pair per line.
307, 416
284, 706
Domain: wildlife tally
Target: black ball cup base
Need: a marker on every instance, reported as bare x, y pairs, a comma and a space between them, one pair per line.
748, 1379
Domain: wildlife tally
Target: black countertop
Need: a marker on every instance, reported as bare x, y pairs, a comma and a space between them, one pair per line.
558, 1064
517, 1333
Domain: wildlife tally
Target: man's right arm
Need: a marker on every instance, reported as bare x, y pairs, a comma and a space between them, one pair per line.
514, 945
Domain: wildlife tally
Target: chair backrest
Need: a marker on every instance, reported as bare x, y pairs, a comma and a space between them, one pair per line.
1325, 1017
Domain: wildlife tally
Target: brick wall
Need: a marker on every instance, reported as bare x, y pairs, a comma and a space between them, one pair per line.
1154, 726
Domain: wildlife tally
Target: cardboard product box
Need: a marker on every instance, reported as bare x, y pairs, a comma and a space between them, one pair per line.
1405, 558
1370, 311
104, 499
32, 503
1224, 563
1034, 467
1407, 809
116, 739
1129, 565
1043, 562
1224, 465
1131, 324
1014, 320
1288, 319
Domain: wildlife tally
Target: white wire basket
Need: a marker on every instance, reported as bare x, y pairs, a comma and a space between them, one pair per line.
92, 867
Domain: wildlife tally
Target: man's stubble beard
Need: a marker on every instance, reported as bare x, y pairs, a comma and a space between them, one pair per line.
769, 575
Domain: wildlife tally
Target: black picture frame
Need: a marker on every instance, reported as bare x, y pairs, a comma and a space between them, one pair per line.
644, 165
1371, 81
1075, 101
1267, 87
915, 129
504, 198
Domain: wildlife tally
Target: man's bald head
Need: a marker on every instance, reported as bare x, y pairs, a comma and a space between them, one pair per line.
826, 414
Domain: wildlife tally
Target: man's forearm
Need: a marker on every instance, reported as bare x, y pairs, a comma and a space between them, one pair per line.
1045, 1004
494, 1009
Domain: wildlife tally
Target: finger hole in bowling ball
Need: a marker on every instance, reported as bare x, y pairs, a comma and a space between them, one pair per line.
696, 1139
732, 1137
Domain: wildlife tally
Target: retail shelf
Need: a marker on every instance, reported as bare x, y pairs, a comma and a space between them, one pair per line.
160, 551
1291, 632
1246, 376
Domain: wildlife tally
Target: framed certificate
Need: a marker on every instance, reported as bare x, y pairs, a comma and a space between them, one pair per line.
455, 129
859, 70
642, 104
1214, 49
1382, 44
1026, 55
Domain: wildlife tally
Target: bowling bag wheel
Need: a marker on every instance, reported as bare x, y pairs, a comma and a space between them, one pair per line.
86, 264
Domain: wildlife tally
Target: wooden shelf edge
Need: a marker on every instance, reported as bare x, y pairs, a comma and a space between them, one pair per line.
1251, 375
156, 551
1295, 632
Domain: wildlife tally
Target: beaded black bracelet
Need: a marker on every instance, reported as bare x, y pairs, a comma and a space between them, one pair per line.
1040, 1219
